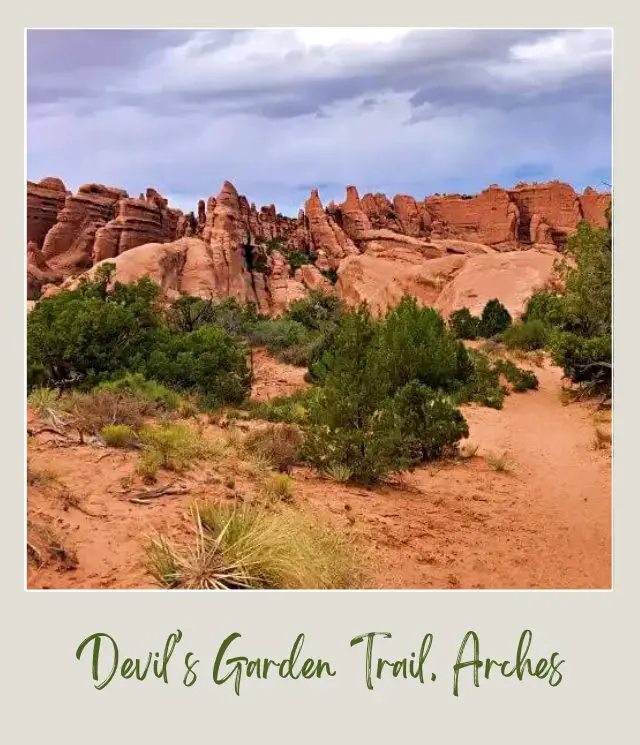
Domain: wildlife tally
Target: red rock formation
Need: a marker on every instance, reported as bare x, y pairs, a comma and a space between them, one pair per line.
413, 217
44, 200
380, 211
68, 246
39, 273
594, 207
540, 231
350, 216
490, 217
324, 233
556, 203
136, 222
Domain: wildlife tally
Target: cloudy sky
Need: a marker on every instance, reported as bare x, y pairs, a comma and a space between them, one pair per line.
278, 112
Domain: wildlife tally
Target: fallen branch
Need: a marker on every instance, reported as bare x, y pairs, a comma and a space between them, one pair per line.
35, 553
145, 497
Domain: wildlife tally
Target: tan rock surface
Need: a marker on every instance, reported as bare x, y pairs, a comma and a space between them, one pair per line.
511, 277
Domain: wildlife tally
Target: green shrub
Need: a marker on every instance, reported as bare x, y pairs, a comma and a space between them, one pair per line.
316, 311
150, 390
278, 334
522, 380
297, 259
495, 319
429, 423
79, 336
174, 447
118, 435
292, 409
464, 325
351, 421
415, 344
544, 306
584, 359
482, 385
206, 361
526, 335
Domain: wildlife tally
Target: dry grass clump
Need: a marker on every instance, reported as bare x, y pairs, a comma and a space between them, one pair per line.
280, 444
602, 438
43, 399
278, 487
500, 463
248, 547
468, 451
91, 412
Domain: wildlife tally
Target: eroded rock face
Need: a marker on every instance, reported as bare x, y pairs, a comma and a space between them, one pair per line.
557, 204
44, 200
490, 218
594, 207
381, 249
324, 233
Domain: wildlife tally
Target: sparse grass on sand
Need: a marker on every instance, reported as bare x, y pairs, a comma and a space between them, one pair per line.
602, 438
174, 447
500, 463
468, 450
236, 547
280, 444
43, 399
278, 487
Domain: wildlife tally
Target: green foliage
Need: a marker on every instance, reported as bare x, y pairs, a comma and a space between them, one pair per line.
495, 319
482, 384
581, 343
172, 446
585, 359
544, 306
464, 325
78, 336
330, 274
150, 390
429, 423
297, 259
415, 344
521, 380
527, 335
279, 334
316, 310
376, 413
118, 435
292, 409
207, 361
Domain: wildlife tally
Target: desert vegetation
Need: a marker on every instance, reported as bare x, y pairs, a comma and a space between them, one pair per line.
572, 320
166, 388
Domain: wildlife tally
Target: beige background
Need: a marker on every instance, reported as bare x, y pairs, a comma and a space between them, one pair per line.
48, 696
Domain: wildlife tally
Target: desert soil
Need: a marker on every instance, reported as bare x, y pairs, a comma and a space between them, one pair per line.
543, 523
